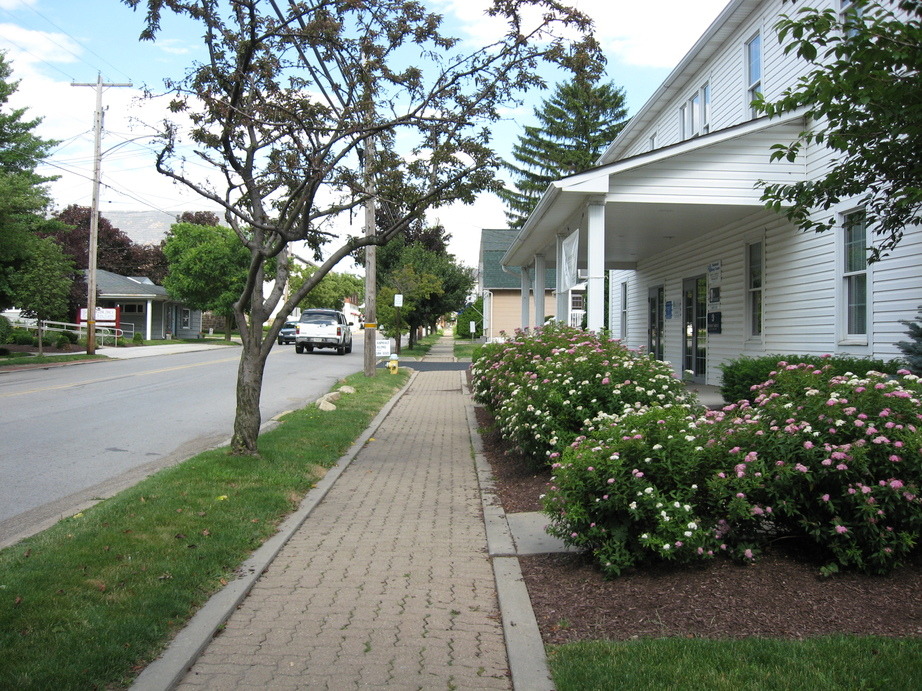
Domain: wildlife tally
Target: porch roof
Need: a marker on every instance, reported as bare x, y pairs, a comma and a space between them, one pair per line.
664, 197
113, 286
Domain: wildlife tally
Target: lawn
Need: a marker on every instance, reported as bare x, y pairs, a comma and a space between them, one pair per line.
90, 602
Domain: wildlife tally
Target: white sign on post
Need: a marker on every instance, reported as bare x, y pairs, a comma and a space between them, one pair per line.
398, 300
382, 348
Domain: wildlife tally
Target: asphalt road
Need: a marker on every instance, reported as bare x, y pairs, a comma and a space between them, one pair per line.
72, 435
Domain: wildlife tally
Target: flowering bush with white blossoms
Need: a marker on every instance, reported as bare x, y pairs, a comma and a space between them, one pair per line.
631, 491
545, 386
833, 460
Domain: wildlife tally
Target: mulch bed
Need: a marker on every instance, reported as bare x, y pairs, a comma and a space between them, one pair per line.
781, 595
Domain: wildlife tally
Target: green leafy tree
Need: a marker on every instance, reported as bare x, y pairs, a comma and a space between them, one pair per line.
41, 285
416, 285
207, 268
23, 196
863, 99
298, 107
575, 125
331, 292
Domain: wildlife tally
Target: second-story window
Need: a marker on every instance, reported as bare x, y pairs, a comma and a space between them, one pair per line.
753, 72
695, 113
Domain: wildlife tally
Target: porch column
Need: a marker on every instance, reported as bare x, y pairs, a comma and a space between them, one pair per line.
562, 306
595, 290
149, 320
540, 280
526, 287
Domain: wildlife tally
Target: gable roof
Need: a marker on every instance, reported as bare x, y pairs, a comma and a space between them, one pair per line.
112, 285
494, 243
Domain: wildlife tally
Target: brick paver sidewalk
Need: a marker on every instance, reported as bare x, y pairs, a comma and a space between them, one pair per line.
388, 583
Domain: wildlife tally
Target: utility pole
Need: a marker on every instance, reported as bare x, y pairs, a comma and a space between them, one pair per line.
371, 277
94, 214
371, 229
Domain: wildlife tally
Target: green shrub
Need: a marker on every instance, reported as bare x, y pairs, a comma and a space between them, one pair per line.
63, 342
22, 337
742, 375
6, 329
545, 386
138, 339
71, 336
835, 460
473, 313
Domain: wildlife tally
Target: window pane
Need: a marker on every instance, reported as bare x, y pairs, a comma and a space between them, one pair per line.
754, 50
855, 243
856, 288
755, 265
755, 312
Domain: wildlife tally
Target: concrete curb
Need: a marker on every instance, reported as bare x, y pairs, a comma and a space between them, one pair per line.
524, 647
167, 670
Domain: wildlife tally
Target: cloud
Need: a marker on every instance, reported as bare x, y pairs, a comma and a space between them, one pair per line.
16, 4
650, 34
640, 34
173, 46
26, 47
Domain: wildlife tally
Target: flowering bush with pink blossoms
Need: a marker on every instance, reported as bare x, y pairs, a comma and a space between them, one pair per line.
544, 387
835, 460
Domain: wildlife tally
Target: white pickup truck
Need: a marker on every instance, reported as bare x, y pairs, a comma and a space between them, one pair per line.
318, 328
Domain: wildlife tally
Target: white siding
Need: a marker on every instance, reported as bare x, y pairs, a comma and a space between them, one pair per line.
802, 293
726, 75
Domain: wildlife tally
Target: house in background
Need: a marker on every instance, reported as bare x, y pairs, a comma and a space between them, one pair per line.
699, 271
504, 310
147, 307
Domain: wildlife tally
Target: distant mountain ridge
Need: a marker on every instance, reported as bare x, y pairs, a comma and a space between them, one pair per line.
143, 227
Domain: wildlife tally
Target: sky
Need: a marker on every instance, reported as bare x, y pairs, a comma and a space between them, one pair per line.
57, 46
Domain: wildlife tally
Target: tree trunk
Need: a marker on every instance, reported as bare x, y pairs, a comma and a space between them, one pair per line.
249, 390
228, 326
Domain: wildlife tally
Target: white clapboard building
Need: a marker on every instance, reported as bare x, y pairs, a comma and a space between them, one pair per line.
699, 271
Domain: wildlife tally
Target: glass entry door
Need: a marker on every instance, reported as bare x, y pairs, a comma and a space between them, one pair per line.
695, 332
655, 321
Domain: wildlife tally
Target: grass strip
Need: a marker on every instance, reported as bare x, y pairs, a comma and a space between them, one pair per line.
464, 350
40, 360
828, 662
91, 601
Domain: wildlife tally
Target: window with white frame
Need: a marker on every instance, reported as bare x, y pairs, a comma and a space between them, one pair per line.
186, 319
848, 11
855, 274
652, 141
133, 308
753, 72
755, 270
695, 113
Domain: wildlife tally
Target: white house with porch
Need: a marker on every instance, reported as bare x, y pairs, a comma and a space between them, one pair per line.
699, 271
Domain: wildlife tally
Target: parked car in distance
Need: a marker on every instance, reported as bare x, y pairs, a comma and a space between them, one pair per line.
287, 334
320, 328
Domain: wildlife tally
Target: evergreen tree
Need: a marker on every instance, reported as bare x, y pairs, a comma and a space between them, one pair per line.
576, 124
22, 195
912, 350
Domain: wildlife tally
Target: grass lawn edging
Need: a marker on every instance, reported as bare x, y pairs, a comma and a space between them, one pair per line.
95, 599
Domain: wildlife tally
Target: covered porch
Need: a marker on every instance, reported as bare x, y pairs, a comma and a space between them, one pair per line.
619, 215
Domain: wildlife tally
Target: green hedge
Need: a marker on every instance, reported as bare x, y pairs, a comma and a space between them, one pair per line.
742, 374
